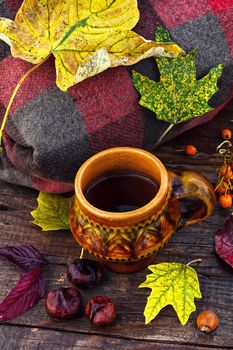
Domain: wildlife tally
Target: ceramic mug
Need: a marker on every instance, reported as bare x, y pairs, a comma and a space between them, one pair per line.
128, 241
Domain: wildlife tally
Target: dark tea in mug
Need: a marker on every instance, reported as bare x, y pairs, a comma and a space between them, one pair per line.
121, 192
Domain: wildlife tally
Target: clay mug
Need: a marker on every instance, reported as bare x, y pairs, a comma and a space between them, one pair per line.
128, 241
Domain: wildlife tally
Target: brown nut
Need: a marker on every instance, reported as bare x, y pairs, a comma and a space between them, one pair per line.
100, 310
207, 321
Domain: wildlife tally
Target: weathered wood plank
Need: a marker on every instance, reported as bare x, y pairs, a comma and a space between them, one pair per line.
195, 241
19, 191
42, 339
130, 301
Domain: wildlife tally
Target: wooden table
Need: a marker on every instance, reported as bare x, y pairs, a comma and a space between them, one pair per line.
34, 330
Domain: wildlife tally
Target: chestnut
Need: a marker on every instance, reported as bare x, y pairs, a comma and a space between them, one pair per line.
85, 273
63, 303
100, 311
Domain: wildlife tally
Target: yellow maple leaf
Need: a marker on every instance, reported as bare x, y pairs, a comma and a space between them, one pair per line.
172, 284
85, 36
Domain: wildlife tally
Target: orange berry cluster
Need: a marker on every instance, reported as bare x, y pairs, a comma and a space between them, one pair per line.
224, 186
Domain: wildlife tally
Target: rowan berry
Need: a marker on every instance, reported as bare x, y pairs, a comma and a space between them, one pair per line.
190, 150
222, 187
226, 171
226, 134
225, 200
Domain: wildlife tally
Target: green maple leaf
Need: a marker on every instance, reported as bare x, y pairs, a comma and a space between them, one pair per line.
52, 212
178, 96
172, 284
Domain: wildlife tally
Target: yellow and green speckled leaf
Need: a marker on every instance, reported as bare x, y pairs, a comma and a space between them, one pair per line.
52, 212
178, 96
85, 36
172, 284
162, 35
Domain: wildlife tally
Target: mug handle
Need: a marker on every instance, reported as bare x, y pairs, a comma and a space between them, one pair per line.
194, 195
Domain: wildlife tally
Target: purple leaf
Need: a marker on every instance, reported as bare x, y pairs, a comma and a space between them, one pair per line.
224, 241
23, 255
28, 291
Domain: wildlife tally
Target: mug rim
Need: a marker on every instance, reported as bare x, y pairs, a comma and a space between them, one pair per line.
128, 217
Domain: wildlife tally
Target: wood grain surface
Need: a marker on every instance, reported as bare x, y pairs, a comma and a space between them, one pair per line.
34, 329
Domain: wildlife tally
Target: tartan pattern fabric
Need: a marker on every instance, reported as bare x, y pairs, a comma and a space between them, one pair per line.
51, 133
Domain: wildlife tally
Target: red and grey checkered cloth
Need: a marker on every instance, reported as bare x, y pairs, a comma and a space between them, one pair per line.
51, 133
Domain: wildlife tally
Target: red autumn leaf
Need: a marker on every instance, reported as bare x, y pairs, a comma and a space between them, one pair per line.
28, 291
224, 241
23, 255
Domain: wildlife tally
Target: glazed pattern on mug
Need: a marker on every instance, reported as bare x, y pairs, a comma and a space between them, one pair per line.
140, 240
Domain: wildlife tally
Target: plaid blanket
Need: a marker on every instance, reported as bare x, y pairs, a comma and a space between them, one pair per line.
51, 133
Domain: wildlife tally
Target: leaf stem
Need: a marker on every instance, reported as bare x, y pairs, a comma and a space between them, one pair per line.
193, 261
81, 254
21, 80
164, 134
226, 143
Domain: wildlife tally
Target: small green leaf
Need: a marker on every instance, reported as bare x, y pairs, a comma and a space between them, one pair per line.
52, 212
162, 35
178, 96
172, 284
